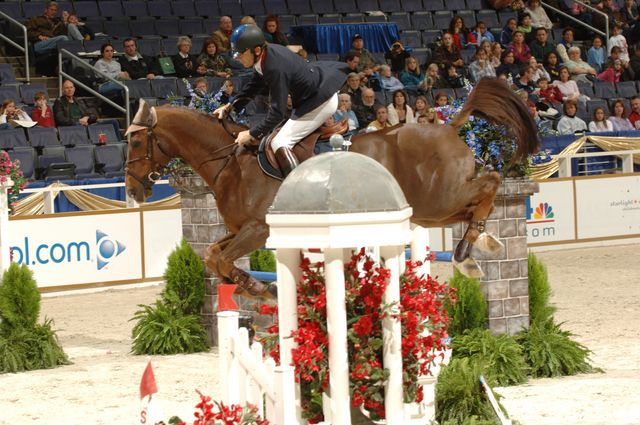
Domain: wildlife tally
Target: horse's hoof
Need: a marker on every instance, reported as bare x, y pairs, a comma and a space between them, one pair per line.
462, 251
250, 287
486, 242
469, 267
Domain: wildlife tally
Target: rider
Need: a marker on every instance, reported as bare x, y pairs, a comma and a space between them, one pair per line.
277, 70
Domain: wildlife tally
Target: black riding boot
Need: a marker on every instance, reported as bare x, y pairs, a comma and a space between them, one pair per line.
286, 160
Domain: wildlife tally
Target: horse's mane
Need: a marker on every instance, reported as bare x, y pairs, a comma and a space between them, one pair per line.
210, 119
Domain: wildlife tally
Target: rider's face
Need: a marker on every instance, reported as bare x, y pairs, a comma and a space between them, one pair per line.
246, 58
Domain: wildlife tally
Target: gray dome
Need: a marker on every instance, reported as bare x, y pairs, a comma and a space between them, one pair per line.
338, 182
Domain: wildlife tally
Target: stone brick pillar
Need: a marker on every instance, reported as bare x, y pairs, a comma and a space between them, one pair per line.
505, 283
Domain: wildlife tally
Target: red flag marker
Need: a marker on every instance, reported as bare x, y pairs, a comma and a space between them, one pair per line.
148, 383
225, 297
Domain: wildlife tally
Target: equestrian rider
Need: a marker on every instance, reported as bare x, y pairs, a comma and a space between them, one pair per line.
278, 71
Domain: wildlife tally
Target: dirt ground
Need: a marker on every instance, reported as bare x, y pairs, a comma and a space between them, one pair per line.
596, 290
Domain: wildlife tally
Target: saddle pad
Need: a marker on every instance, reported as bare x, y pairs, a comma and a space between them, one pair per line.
264, 163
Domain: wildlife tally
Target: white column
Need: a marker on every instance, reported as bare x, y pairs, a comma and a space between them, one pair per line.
48, 198
419, 244
228, 366
5, 255
337, 328
392, 338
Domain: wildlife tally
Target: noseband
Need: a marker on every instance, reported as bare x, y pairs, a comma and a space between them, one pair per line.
150, 179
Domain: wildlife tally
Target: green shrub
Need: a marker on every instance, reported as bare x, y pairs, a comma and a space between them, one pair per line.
501, 356
470, 308
185, 279
459, 395
550, 351
161, 329
30, 348
540, 311
263, 260
19, 297
473, 420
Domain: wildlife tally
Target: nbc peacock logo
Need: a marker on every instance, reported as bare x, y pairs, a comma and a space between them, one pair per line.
543, 213
540, 217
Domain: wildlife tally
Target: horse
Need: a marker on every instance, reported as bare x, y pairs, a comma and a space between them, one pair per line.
434, 167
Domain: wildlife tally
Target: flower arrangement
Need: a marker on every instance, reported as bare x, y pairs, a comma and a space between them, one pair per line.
11, 170
424, 327
217, 413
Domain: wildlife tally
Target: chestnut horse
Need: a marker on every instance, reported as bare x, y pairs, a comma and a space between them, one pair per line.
435, 169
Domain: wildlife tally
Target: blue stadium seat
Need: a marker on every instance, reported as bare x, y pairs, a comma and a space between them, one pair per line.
27, 158
309, 19
455, 5
183, 8
118, 28
367, 5
489, 17
43, 136
505, 15
51, 155
286, 22
94, 45
149, 46
330, 18
346, 6
163, 87
33, 8
412, 5
253, 7
11, 8
160, 8
73, 135
110, 160
135, 8
207, 8
96, 23
586, 88
299, 7
169, 46
85, 9
137, 89
604, 89
197, 41
96, 129
442, 19
322, 6
422, 21
110, 8
411, 38
9, 92
7, 74
276, 7
143, 27
388, 6
627, 89
596, 103
73, 46
422, 54
401, 19
230, 7
168, 27
27, 91
469, 17
182, 87
191, 26
353, 18
328, 56
83, 159
433, 5
430, 36
375, 18
12, 138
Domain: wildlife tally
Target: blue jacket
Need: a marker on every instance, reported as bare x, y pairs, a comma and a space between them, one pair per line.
410, 80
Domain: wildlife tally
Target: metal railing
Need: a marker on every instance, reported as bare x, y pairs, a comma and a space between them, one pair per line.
626, 156
579, 22
63, 53
25, 43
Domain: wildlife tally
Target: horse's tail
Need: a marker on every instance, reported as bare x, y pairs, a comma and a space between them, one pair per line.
494, 101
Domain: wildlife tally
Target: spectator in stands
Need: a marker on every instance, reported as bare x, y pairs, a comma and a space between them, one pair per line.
617, 39
507, 32
200, 90
549, 93
398, 110
357, 46
453, 78
68, 110
441, 100
496, 54
448, 53
569, 123
524, 26
222, 34
596, 55
539, 17
381, 120
612, 73
482, 34
411, 77
396, 57
629, 19
110, 67
432, 117
211, 63
538, 70
47, 30
136, 65
619, 117
525, 81
345, 111
432, 79
462, 37
420, 106
366, 110
227, 92
634, 62
370, 78
552, 66
565, 44
272, 33
579, 69
608, 8
600, 123
183, 61
388, 81
627, 72
531, 106
508, 65
12, 113
248, 20
541, 46
353, 86
42, 113
422, 119
520, 50
634, 116
568, 87
353, 62
76, 30
481, 67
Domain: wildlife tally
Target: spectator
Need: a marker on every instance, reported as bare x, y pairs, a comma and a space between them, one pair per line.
381, 120
200, 90
353, 62
539, 18
396, 56
248, 20
272, 33
541, 46
612, 73
111, 68
76, 30
370, 78
568, 87
508, 65
549, 93
137, 66
565, 44
462, 37
183, 61
345, 111
482, 34
211, 63
552, 66
221, 35
617, 39
507, 32
453, 79
608, 8
634, 63
388, 81
422, 119
366, 110
629, 20
411, 77
432, 79
580, 13
47, 30
521, 51
579, 69
227, 92
525, 81
531, 106
634, 116
569, 123
357, 46
538, 70
11, 113
525, 28
42, 113
596, 55
398, 111
441, 101
432, 117
496, 54
353, 86
447, 53
420, 106
68, 110
481, 67
619, 117
600, 123
627, 72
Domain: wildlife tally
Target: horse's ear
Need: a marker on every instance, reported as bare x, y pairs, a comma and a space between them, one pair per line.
146, 117
153, 117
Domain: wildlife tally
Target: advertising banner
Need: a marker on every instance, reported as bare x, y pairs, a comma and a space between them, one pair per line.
550, 213
162, 233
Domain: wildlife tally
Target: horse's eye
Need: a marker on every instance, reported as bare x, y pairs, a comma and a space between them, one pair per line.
136, 144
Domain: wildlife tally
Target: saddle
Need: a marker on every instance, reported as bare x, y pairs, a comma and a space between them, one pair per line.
303, 150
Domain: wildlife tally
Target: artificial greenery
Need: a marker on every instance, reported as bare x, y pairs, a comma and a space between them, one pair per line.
501, 356
262, 260
25, 344
473, 420
172, 325
470, 308
540, 310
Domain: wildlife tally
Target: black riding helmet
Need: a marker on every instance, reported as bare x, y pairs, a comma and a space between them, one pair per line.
246, 37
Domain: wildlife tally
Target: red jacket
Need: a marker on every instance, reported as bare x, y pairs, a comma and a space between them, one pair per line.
44, 120
551, 94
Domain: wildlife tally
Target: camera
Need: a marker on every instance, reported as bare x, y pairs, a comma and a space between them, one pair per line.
397, 45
